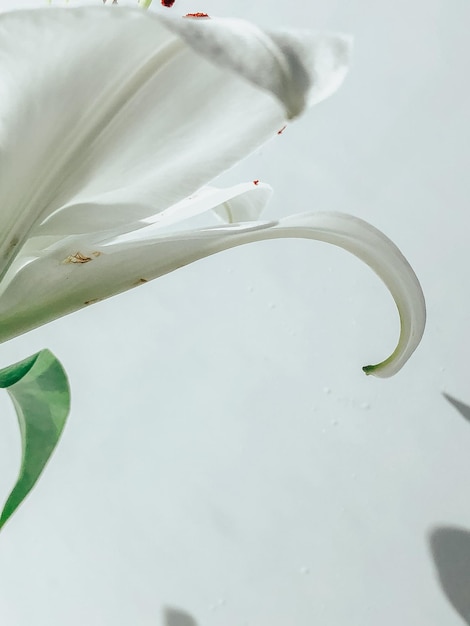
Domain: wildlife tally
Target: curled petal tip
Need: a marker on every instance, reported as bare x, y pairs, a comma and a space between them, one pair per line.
412, 310
381, 255
374, 370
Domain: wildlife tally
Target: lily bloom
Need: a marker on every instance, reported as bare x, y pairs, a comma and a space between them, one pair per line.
113, 122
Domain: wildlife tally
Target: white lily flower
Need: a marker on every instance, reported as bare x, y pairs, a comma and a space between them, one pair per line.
111, 124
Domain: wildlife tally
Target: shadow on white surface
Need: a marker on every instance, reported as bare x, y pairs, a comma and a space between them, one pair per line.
450, 548
463, 409
175, 617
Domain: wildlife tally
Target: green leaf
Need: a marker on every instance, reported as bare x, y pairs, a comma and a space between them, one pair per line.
39, 389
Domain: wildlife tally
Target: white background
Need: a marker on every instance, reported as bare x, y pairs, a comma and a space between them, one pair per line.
225, 454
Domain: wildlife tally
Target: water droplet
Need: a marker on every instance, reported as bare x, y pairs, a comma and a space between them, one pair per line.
271, 305
334, 422
220, 602
326, 390
305, 570
365, 406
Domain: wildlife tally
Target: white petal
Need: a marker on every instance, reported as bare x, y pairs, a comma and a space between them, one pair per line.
116, 266
299, 67
39, 280
242, 202
112, 109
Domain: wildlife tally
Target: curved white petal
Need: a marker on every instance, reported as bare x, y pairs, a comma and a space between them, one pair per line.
242, 202
114, 109
39, 280
117, 265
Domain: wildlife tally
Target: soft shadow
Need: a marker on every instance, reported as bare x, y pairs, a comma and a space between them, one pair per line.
463, 409
450, 547
175, 617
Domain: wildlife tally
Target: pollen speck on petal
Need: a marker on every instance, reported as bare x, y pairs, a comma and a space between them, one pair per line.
168, 3
78, 257
198, 14
281, 130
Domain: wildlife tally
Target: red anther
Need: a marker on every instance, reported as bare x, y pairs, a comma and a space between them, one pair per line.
197, 14
256, 182
168, 3
279, 132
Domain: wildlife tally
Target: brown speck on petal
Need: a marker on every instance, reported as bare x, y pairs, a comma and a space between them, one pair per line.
87, 302
279, 132
168, 3
141, 281
13, 243
197, 15
96, 253
78, 257
256, 182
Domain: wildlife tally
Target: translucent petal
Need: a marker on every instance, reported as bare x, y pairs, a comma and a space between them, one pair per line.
298, 67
